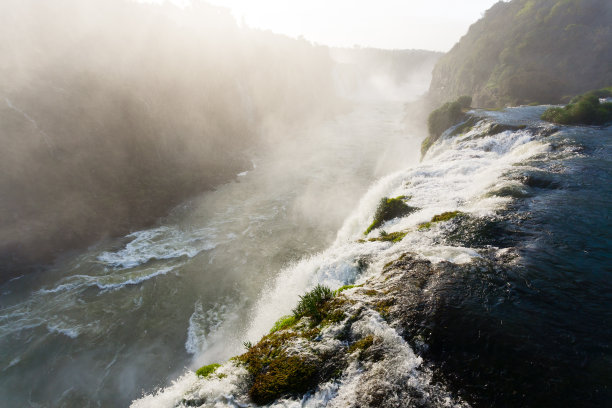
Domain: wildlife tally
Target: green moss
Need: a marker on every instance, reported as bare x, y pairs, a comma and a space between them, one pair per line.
383, 307
445, 216
287, 375
335, 316
370, 292
259, 356
388, 209
583, 110
207, 370
443, 118
424, 225
362, 344
312, 302
391, 237
283, 323
346, 287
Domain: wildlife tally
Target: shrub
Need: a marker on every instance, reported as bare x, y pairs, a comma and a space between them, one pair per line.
583, 110
312, 302
387, 209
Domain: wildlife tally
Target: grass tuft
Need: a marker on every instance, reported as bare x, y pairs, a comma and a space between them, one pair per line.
312, 302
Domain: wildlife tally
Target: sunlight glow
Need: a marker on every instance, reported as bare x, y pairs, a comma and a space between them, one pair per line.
393, 24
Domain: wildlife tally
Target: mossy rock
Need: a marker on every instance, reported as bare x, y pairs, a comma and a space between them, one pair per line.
445, 216
388, 209
361, 344
207, 370
284, 375
443, 118
390, 237
466, 126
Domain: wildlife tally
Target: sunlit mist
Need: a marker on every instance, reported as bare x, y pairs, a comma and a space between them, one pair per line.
391, 24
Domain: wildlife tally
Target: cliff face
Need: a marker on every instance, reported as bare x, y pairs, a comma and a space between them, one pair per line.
526, 51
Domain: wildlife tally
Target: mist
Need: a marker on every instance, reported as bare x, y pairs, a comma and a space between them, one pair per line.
114, 112
160, 167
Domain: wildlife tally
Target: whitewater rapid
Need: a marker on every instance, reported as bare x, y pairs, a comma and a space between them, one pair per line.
460, 173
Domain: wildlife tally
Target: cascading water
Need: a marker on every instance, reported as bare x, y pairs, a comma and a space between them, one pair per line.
513, 245
129, 315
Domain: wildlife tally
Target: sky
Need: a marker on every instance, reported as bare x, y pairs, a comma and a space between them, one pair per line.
392, 24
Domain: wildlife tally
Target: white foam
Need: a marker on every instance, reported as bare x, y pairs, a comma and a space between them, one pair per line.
71, 332
160, 243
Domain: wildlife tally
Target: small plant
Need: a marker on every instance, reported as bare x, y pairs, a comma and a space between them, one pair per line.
247, 345
207, 370
311, 303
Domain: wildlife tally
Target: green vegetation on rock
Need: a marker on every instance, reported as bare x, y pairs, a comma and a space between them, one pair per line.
583, 110
312, 302
283, 323
526, 51
387, 209
291, 374
390, 237
445, 216
207, 370
444, 117
346, 287
275, 371
361, 344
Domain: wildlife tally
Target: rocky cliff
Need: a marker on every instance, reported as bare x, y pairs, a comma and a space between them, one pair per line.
527, 51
